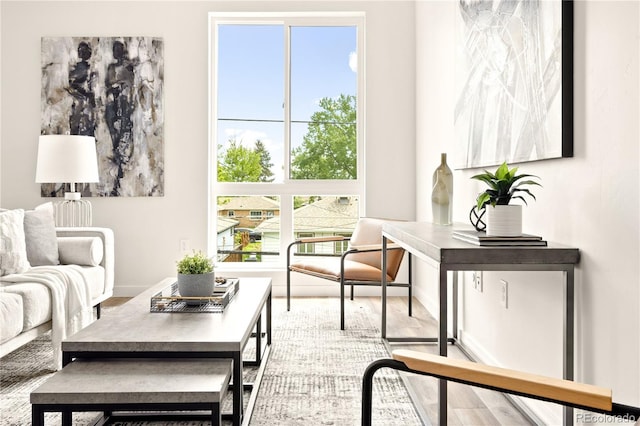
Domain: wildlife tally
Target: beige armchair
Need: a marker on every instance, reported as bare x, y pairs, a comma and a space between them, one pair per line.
361, 264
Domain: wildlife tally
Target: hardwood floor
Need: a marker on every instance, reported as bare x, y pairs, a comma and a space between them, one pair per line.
114, 301
467, 405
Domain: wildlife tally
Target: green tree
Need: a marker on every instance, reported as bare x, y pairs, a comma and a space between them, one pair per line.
329, 147
266, 175
238, 164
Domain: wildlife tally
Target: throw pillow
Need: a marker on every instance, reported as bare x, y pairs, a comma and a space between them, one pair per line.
368, 231
84, 251
13, 250
40, 236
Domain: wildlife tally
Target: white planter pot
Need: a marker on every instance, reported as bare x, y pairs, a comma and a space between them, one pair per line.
504, 221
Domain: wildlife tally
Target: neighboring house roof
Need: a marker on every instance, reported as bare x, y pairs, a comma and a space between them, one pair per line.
250, 203
330, 214
224, 223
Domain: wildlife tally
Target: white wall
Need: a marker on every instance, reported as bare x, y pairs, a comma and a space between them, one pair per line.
589, 201
0, 106
148, 230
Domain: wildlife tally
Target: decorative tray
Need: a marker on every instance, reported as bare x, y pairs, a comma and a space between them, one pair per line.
169, 300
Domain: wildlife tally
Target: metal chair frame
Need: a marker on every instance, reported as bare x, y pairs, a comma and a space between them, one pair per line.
343, 282
618, 410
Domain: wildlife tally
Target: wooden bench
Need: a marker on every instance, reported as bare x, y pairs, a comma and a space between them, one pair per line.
126, 384
564, 392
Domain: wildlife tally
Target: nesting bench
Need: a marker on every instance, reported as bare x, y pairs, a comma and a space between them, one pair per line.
126, 384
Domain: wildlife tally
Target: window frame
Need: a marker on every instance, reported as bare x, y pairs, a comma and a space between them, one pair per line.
289, 188
341, 246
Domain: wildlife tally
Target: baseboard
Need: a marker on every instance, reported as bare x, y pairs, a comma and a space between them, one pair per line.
128, 291
429, 303
539, 412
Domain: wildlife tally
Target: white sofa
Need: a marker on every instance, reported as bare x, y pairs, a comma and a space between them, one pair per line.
39, 298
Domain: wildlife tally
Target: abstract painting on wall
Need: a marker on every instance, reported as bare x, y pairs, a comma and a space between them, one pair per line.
111, 88
514, 81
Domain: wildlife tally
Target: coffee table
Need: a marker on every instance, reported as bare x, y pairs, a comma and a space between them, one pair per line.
131, 330
115, 384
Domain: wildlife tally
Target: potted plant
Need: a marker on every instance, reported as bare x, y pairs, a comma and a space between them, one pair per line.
195, 276
504, 219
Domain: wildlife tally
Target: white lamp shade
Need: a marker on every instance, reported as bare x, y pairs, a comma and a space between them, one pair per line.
67, 159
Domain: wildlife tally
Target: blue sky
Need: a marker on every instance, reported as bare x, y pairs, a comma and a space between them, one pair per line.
251, 79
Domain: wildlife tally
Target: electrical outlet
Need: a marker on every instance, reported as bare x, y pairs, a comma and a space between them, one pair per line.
185, 246
504, 294
477, 281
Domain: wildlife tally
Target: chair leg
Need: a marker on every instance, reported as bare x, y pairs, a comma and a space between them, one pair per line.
367, 385
410, 280
352, 292
288, 288
341, 304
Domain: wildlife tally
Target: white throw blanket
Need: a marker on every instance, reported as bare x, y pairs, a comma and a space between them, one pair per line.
71, 308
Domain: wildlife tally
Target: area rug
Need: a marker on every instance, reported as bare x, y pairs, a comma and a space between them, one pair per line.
313, 375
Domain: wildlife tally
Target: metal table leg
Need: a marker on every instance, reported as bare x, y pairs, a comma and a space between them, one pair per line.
269, 319
568, 338
237, 388
442, 345
384, 287
259, 340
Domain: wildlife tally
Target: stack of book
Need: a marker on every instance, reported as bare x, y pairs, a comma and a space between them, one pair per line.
481, 238
226, 285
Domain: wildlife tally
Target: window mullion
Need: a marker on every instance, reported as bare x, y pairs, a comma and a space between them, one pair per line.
287, 102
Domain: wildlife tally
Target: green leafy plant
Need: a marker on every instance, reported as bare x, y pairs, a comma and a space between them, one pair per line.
196, 263
504, 185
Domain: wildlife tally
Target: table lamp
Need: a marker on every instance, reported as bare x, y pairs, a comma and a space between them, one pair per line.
68, 159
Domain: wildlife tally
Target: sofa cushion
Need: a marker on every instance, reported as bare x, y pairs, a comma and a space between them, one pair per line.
36, 302
95, 279
11, 320
40, 236
85, 251
13, 250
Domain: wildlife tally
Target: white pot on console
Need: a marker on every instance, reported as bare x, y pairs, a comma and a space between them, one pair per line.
504, 221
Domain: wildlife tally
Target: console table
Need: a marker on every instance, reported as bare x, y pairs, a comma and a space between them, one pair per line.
435, 245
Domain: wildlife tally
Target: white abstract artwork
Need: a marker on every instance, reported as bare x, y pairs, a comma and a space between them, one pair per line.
513, 69
110, 88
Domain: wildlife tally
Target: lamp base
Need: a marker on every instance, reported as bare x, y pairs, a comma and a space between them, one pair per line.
72, 196
74, 211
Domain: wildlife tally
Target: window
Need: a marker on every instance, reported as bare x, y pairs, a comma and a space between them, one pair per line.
326, 216
286, 126
305, 248
342, 246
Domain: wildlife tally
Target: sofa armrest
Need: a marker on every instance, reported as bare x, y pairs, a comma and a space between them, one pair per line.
108, 259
